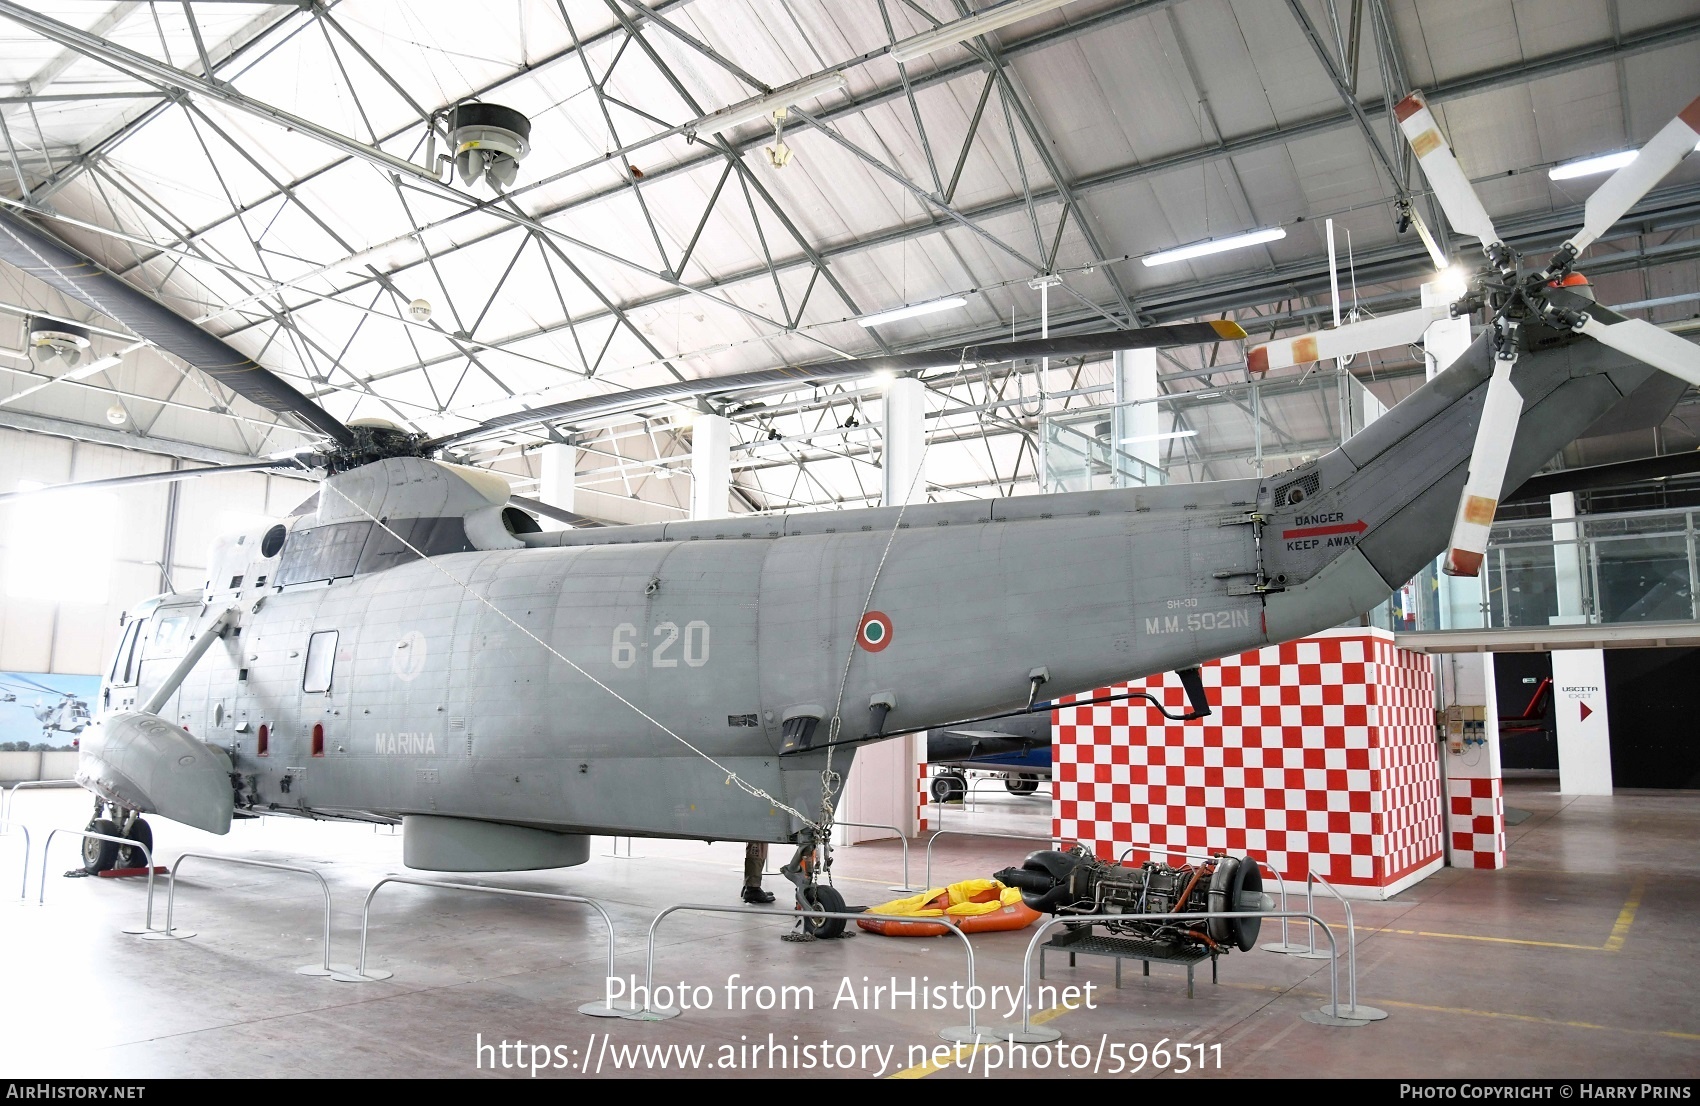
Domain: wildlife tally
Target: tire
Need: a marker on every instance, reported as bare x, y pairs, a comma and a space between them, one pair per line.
822, 897
948, 789
99, 856
1021, 785
128, 855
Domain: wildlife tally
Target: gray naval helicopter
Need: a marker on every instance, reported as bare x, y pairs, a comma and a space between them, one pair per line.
408, 646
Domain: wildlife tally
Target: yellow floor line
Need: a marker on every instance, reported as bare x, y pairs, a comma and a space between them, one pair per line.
921, 1071
1614, 943
1533, 1018
1625, 917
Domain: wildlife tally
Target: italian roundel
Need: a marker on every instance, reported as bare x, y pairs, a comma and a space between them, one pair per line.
874, 633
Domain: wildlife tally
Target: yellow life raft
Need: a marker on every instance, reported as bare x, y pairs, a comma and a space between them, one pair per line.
974, 906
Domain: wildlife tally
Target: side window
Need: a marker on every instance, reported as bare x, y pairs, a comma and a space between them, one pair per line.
321, 659
123, 662
169, 633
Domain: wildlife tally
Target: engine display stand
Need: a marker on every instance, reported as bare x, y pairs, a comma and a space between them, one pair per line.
1084, 942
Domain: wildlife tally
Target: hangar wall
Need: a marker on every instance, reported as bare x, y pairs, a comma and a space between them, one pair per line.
1320, 757
68, 630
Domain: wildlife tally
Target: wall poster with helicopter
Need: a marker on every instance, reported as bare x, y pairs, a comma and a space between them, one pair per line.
44, 709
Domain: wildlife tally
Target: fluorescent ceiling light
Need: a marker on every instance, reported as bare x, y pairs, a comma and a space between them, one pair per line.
989, 20
911, 311
763, 106
1216, 245
1591, 165
1159, 437
1588, 166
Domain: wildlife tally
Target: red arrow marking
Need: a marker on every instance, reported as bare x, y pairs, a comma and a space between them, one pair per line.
1586, 711
1357, 527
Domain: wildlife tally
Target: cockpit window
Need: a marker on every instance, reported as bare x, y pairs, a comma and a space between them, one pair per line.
170, 634
124, 661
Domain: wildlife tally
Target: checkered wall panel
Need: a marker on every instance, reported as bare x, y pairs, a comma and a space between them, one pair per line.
1476, 820
1320, 756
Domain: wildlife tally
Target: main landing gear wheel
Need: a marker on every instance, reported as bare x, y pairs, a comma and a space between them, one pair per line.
948, 788
130, 856
822, 897
100, 856
1021, 785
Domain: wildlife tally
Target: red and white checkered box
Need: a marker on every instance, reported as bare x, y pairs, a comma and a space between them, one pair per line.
1319, 757
1475, 818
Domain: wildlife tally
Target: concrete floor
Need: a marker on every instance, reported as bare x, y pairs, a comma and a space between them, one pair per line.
1577, 960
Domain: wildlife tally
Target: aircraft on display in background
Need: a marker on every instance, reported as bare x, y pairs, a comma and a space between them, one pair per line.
65, 712
409, 646
1017, 749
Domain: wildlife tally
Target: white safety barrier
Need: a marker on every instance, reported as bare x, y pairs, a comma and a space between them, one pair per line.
147, 855
170, 933
1028, 1033
602, 1009
963, 1034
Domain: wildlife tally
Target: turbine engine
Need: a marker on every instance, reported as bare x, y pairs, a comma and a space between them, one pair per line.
1076, 882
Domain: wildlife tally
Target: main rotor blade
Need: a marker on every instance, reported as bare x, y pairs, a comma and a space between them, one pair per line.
1624, 188
62, 268
1401, 328
164, 477
1617, 474
590, 407
538, 507
1451, 187
1644, 341
1492, 452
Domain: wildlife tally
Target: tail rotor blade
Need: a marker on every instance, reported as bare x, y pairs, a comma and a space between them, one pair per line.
1344, 341
1624, 188
1457, 197
1644, 341
1492, 452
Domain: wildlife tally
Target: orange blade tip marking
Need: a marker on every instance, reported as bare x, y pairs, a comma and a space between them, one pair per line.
1479, 510
1691, 115
1462, 562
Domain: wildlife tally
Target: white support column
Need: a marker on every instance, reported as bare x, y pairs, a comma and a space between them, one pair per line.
1567, 561
880, 789
1584, 724
1475, 785
711, 467
905, 435
1136, 380
557, 480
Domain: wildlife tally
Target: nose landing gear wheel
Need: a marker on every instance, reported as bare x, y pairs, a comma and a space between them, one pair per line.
130, 856
822, 897
99, 856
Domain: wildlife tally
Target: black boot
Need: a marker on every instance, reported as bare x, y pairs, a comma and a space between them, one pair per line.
755, 896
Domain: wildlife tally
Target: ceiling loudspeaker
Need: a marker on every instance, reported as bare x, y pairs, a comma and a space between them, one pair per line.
489, 141
57, 345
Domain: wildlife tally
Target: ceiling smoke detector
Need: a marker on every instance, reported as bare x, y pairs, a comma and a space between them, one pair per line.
489, 141
57, 345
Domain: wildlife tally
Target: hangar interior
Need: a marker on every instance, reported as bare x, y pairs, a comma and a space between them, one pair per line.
677, 271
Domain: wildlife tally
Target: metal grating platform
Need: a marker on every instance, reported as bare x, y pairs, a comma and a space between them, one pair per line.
1089, 943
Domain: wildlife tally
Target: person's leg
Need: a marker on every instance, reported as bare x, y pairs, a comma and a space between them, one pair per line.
755, 860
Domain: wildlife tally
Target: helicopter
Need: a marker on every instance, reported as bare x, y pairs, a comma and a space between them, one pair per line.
68, 713
410, 646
